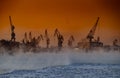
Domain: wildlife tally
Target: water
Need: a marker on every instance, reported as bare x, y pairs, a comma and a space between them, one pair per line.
65, 64
69, 71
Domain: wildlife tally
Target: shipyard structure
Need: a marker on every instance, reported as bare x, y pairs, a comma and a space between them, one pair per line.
31, 43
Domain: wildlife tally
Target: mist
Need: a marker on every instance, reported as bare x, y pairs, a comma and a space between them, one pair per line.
32, 60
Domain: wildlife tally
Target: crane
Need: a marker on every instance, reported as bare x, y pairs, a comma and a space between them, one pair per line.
60, 38
88, 42
91, 33
37, 40
90, 36
70, 41
56, 33
30, 36
12, 30
47, 39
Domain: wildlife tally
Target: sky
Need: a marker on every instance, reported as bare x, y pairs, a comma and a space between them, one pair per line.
71, 17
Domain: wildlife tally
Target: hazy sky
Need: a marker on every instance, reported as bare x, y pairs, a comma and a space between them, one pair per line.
69, 16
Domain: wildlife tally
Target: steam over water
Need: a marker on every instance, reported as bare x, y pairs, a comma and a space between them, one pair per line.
31, 60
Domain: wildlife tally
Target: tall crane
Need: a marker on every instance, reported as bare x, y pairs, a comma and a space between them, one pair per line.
90, 36
47, 39
91, 33
12, 30
60, 38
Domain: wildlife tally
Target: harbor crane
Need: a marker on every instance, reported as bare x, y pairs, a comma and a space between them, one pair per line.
12, 30
90, 41
47, 39
91, 34
59, 37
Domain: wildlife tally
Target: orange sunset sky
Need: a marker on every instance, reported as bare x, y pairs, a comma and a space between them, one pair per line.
74, 17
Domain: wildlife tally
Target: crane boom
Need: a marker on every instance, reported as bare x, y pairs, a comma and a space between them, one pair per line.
12, 26
10, 20
91, 33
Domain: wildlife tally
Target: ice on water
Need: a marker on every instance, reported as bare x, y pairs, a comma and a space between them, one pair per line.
69, 71
66, 64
